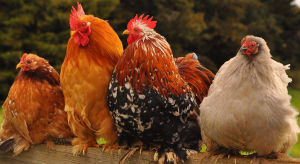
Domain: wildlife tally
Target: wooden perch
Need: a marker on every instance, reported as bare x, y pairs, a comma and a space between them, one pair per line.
40, 154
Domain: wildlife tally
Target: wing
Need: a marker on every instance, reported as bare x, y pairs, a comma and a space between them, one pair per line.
16, 119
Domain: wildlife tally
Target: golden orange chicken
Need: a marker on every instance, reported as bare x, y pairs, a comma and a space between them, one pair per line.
92, 53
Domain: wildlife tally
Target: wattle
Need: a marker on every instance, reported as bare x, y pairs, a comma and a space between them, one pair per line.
81, 39
130, 39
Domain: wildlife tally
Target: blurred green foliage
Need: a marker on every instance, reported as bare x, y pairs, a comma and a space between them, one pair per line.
211, 28
295, 99
295, 151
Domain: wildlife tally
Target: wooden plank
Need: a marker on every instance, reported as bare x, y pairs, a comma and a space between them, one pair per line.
40, 154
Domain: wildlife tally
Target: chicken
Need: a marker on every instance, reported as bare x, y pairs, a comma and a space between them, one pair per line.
149, 99
92, 53
34, 109
198, 77
248, 106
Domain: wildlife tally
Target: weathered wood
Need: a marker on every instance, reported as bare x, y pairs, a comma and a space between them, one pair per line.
63, 155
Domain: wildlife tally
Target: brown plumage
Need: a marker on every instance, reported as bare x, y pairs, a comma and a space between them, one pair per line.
151, 96
34, 108
93, 50
197, 76
159, 66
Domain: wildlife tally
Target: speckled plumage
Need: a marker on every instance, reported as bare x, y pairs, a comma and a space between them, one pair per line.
149, 99
153, 119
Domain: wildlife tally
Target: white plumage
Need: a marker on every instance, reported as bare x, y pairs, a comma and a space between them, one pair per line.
248, 106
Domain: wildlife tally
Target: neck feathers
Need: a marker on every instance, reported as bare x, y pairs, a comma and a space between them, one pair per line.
104, 45
47, 73
149, 62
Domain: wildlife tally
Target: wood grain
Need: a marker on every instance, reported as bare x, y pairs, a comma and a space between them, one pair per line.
40, 154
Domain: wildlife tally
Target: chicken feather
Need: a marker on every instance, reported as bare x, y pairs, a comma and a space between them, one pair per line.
92, 52
248, 106
34, 109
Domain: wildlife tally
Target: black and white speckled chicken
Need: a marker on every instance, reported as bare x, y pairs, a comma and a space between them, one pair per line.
151, 95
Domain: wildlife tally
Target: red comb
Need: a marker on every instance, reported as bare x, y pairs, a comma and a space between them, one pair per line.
151, 24
74, 16
24, 56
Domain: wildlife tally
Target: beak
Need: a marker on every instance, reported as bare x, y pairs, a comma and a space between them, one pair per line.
73, 32
19, 65
243, 48
125, 32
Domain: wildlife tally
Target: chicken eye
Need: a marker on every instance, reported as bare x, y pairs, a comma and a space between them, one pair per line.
135, 30
28, 61
83, 24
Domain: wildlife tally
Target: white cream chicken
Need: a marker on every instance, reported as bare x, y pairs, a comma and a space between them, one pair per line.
248, 106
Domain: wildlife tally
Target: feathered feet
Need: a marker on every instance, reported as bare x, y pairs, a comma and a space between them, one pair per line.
80, 145
169, 156
219, 154
255, 158
109, 147
278, 157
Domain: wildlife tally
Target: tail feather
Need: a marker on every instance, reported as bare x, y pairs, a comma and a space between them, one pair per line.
197, 76
7, 145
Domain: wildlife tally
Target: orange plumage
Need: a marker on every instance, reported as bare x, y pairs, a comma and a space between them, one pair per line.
93, 50
34, 109
197, 76
161, 66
